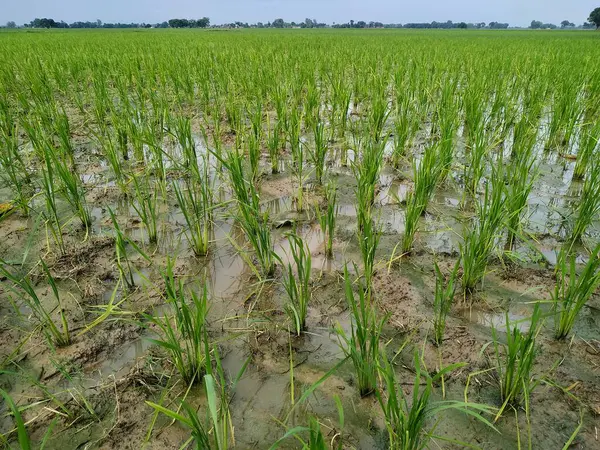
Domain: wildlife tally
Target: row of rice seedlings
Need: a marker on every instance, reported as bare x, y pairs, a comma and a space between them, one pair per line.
51, 214
426, 174
362, 345
407, 416
297, 282
327, 219
589, 204
442, 300
183, 333
254, 223
480, 240
515, 360
572, 291
197, 205
589, 137
57, 333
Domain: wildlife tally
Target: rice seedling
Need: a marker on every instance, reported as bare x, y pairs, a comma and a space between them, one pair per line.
589, 136
72, 189
146, 206
327, 219
319, 153
515, 360
254, 223
480, 240
442, 300
196, 204
426, 174
57, 332
274, 144
297, 283
13, 170
572, 291
183, 334
362, 345
406, 125
51, 214
589, 205
406, 417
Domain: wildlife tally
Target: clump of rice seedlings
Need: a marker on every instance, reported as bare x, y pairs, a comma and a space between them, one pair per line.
572, 291
514, 361
406, 125
72, 189
327, 219
297, 283
196, 204
406, 417
366, 170
113, 156
442, 301
57, 333
481, 143
589, 204
426, 174
13, 170
183, 334
319, 153
589, 136
146, 206
481, 238
362, 346
521, 176
274, 143
182, 129
254, 223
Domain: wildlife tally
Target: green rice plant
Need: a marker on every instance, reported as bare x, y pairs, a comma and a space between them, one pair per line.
327, 219
515, 360
146, 206
369, 235
274, 144
589, 137
13, 170
362, 346
406, 125
406, 416
426, 174
572, 291
114, 158
481, 238
182, 130
253, 144
366, 170
319, 153
57, 334
51, 214
183, 334
72, 188
253, 222
442, 300
297, 282
196, 204
477, 154
521, 176
589, 204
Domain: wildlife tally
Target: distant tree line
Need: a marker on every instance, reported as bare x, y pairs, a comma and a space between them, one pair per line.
593, 22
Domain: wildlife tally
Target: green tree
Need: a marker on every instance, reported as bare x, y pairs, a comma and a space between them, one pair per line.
535, 25
11, 24
278, 23
595, 18
203, 23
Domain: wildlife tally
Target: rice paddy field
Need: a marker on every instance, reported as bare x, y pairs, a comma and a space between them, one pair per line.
331, 239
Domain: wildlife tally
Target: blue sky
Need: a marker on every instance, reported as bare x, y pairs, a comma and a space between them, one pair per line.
516, 12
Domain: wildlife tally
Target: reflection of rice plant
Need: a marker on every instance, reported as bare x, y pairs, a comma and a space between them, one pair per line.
57, 334
479, 243
328, 218
572, 291
515, 359
297, 283
406, 418
442, 302
362, 346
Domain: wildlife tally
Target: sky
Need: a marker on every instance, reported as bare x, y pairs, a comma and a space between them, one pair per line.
515, 12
